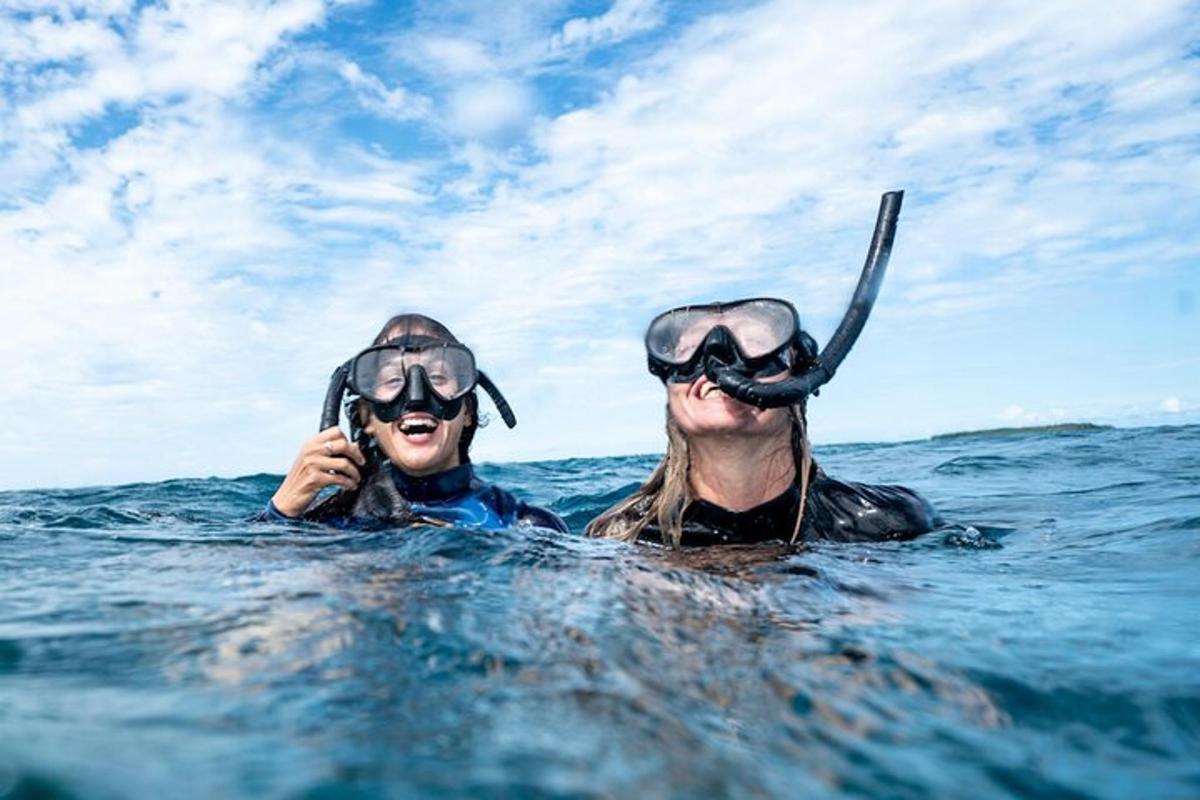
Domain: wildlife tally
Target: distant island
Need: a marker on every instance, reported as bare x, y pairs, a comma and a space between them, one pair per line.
1062, 427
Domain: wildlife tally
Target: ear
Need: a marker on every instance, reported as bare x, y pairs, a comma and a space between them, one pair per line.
471, 412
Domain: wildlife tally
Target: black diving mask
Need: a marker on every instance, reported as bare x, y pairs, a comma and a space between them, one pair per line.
409, 374
413, 373
745, 346
756, 338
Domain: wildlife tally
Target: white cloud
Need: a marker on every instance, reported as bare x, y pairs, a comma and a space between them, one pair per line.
181, 49
622, 20
397, 103
215, 252
453, 55
489, 109
1172, 405
1012, 412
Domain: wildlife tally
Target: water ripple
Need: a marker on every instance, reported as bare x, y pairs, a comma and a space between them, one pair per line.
155, 641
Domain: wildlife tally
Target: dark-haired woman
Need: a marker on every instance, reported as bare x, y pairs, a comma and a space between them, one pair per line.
407, 461
735, 473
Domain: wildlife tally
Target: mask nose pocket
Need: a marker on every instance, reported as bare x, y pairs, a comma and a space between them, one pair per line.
720, 351
416, 396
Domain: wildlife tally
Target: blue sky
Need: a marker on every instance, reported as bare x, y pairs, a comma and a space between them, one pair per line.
205, 207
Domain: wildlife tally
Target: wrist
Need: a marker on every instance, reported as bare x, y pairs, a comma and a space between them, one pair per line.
283, 510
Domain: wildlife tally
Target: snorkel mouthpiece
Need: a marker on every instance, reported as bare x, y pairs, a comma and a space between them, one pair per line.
793, 390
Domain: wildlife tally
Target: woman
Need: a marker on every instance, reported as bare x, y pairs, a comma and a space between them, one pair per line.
407, 461
735, 473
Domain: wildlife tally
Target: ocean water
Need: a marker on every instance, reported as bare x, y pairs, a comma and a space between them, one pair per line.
1046, 642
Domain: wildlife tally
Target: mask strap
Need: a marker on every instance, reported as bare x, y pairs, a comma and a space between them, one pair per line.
506, 412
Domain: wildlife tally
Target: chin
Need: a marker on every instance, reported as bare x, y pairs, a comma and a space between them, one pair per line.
716, 416
416, 458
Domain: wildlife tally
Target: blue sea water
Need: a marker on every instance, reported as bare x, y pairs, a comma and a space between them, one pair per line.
153, 643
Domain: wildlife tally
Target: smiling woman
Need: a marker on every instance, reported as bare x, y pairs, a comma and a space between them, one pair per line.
413, 414
735, 473
739, 468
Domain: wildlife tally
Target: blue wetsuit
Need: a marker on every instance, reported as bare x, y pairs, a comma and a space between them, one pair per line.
455, 497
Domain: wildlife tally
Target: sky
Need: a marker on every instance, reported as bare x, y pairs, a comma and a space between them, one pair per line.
205, 207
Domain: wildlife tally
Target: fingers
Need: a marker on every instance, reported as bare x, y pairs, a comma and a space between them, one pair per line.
331, 448
329, 434
325, 460
343, 466
335, 478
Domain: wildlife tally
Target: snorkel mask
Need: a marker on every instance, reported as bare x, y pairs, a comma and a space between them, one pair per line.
758, 338
407, 374
740, 344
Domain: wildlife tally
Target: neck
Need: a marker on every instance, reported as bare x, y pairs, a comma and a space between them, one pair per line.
738, 473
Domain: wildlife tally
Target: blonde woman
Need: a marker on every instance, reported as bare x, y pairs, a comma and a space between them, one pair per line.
738, 467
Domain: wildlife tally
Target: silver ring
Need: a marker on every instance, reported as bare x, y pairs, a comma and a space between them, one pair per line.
329, 448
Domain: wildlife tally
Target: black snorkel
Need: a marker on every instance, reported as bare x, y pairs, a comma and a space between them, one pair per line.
331, 411
796, 388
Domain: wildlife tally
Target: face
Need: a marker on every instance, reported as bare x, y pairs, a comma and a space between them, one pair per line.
701, 409
419, 443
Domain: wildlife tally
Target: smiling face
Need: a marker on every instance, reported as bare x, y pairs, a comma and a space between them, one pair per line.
419, 443
701, 409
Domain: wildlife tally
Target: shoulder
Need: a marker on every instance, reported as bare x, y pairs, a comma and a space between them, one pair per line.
518, 512
848, 511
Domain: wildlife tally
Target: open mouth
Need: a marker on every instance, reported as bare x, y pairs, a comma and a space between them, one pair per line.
418, 425
707, 388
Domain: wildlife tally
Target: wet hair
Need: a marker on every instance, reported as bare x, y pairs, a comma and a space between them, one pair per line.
421, 325
666, 494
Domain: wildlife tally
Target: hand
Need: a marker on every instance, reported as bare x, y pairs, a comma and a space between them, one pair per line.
327, 459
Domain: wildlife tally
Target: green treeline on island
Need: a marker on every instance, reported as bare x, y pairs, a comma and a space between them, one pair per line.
1064, 427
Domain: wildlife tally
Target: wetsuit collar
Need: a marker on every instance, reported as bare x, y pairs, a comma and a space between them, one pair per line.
706, 523
439, 486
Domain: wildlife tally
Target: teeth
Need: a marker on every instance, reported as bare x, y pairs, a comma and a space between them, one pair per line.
418, 426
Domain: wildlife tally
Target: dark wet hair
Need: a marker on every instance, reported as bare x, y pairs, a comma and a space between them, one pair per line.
419, 324
404, 324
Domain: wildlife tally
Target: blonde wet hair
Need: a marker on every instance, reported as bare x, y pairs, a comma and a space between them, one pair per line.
666, 494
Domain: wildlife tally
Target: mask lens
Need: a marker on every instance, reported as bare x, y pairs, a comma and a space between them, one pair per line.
674, 336
759, 327
380, 374
451, 370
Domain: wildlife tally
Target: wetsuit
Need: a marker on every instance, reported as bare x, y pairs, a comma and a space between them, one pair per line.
836, 511
455, 497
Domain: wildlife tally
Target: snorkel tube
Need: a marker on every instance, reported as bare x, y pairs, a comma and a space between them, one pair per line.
794, 389
331, 410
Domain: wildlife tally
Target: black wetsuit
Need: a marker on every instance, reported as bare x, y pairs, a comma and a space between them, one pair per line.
836, 511
455, 497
